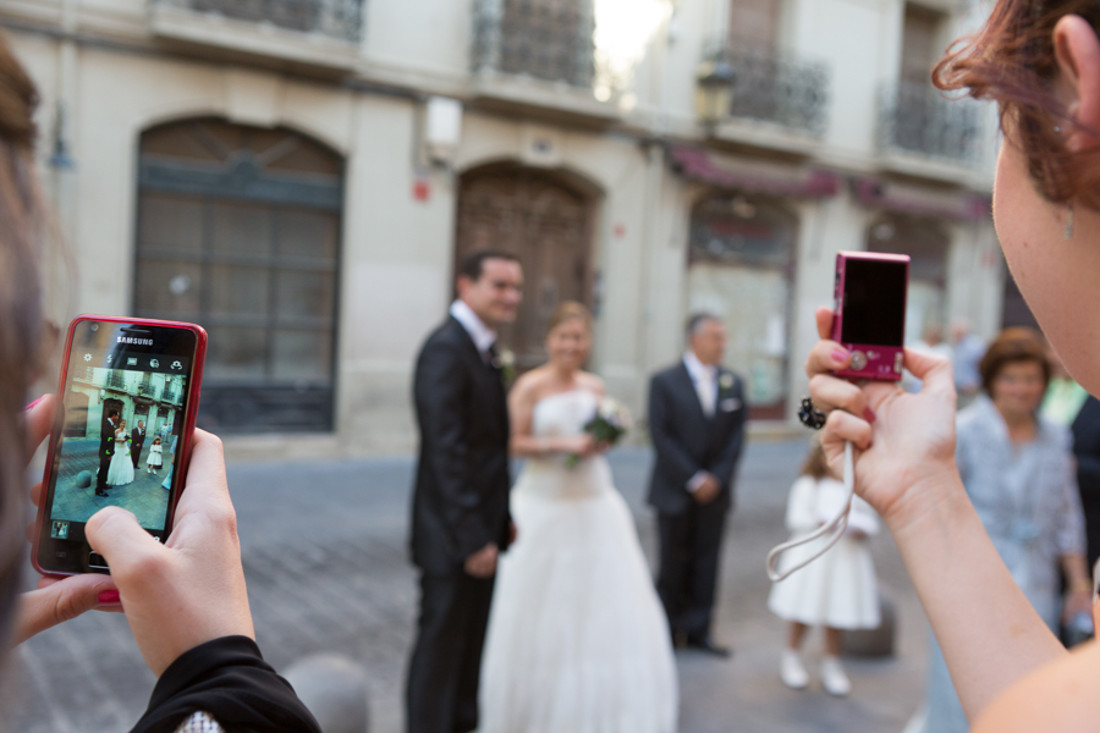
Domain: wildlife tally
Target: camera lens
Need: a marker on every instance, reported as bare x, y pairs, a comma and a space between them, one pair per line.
94, 327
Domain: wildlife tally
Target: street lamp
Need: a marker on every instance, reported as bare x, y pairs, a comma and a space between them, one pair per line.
714, 91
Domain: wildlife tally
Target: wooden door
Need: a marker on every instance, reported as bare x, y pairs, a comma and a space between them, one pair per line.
543, 221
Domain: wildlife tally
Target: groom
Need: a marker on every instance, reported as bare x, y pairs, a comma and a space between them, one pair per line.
460, 518
106, 450
697, 424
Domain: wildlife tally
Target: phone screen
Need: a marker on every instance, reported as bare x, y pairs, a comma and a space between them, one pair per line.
874, 302
125, 398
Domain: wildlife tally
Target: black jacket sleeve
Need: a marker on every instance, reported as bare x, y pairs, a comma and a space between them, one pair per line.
441, 402
676, 460
228, 679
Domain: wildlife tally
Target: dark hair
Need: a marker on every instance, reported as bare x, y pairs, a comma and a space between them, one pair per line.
473, 264
696, 320
815, 464
112, 413
21, 317
1011, 60
568, 310
1012, 346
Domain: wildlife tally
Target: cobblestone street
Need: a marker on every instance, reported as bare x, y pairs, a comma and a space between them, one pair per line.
324, 552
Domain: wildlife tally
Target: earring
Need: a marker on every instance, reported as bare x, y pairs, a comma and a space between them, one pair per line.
1068, 233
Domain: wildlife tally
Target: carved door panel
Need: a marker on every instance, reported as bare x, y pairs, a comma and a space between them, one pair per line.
543, 222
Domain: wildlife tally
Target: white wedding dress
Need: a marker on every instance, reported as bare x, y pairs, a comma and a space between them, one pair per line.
121, 469
577, 640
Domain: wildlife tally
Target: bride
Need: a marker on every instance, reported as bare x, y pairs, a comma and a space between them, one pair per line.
577, 640
121, 469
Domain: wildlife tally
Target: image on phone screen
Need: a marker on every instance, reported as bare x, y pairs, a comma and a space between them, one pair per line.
124, 397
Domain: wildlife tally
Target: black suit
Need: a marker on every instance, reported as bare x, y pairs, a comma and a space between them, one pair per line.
460, 505
137, 439
1086, 448
106, 451
686, 442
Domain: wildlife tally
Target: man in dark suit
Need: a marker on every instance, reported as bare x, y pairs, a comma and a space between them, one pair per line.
137, 439
697, 423
106, 450
460, 517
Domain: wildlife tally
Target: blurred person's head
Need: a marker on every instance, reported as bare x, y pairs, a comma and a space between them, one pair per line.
21, 316
706, 338
1015, 372
569, 335
1038, 59
960, 329
933, 334
491, 283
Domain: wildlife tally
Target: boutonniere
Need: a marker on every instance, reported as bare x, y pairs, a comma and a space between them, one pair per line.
725, 382
505, 361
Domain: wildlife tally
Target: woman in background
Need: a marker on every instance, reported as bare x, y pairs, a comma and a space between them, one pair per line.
1017, 468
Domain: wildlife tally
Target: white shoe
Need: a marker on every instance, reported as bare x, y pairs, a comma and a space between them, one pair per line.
792, 671
834, 679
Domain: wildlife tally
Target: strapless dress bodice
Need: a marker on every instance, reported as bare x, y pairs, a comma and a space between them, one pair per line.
564, 413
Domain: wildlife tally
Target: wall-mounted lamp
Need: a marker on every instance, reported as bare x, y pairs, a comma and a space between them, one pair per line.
714, 91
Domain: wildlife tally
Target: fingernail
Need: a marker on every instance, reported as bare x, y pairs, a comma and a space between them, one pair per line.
108, 597
31, 405
839, 355
869, 415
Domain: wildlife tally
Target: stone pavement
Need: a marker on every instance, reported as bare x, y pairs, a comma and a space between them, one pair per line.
324, 553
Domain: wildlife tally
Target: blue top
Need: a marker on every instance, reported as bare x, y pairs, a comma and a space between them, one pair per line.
1026, 496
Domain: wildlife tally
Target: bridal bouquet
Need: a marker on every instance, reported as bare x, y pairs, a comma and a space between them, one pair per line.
610, 423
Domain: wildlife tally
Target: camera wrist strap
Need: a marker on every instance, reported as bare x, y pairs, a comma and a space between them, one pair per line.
839, 524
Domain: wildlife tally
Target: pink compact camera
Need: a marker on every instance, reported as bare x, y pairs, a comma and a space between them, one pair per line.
869, 313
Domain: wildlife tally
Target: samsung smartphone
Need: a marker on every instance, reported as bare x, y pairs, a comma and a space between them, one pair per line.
129, 395
869, 313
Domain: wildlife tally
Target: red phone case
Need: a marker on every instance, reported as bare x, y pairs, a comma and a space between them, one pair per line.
191, 410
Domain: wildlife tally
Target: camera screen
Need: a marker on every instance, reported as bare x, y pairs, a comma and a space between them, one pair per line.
123, 403
874, 302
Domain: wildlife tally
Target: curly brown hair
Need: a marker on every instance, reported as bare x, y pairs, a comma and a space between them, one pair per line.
1012, 346
21, 315
1011, 60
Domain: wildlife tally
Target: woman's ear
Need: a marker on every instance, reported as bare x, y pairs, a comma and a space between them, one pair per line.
1077, 52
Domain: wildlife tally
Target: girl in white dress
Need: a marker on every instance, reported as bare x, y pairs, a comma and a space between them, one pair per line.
577, 640
121, 469
156, 456
837, 590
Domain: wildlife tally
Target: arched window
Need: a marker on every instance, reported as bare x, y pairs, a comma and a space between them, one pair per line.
741, 256
238, 229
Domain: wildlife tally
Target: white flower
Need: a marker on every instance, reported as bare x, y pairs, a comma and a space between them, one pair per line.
614, 412
725, 381
506, 358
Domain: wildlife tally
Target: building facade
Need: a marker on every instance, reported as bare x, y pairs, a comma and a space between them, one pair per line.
300, 176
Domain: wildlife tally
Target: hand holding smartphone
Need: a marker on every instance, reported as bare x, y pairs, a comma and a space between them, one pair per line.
129, 392
869, 313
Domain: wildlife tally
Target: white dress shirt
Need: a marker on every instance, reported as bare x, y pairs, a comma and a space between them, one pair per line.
482, 335
705, 378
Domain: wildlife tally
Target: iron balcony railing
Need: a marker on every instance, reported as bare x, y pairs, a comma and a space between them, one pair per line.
769, 85
915, 118
338, 19
115, 381
549, 41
